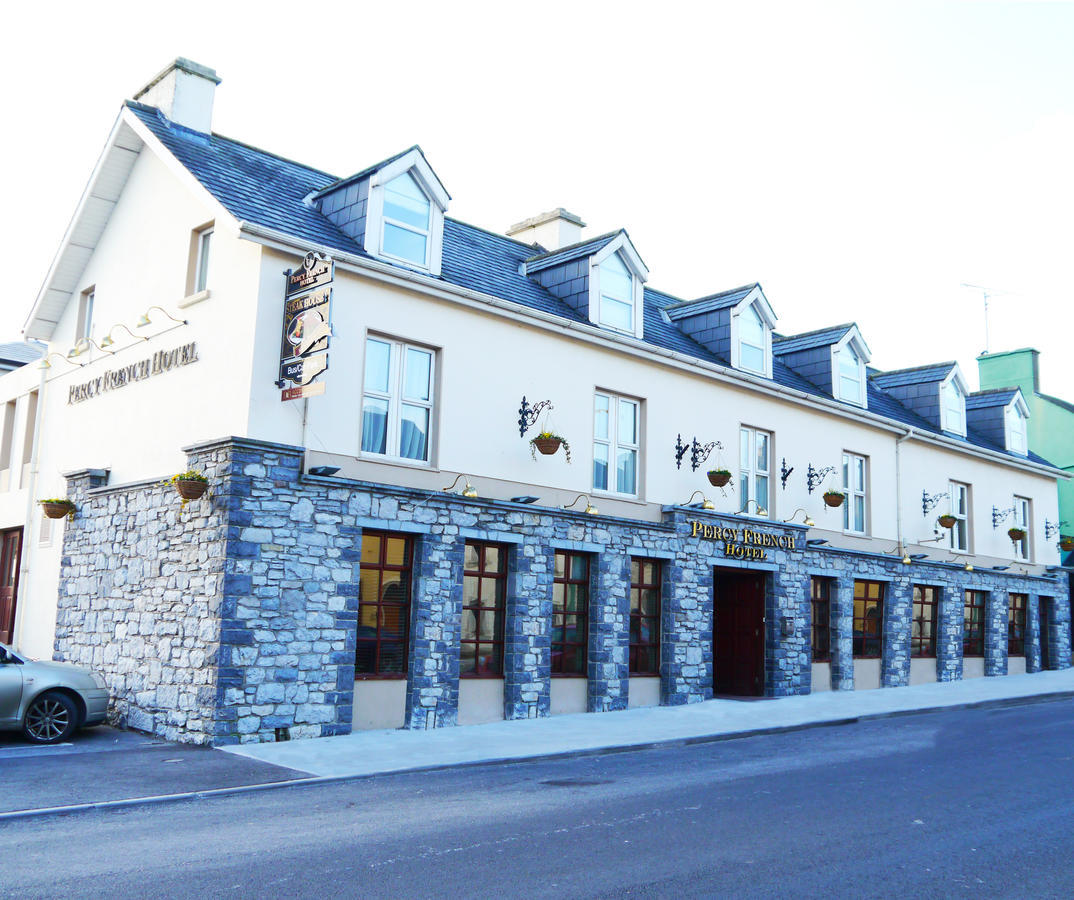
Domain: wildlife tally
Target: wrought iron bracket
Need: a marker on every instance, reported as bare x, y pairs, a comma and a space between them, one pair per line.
929, 501
784, 473
1051, 529
680, 451
1000, 515
699, 453
528, 414
815, 476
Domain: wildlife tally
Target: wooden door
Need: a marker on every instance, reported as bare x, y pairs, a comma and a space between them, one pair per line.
10, 559
738, 633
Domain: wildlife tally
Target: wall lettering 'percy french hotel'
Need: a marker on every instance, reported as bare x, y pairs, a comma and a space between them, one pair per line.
742, 543
113, 379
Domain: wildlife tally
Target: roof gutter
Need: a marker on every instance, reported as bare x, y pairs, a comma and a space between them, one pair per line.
593, 335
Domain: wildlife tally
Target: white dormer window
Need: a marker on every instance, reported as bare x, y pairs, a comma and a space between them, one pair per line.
953, 406
406, 221
1016, 430
751, 336
616, 275
405, 213
849, 358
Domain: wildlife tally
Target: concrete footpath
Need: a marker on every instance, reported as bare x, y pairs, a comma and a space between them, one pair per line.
377, 752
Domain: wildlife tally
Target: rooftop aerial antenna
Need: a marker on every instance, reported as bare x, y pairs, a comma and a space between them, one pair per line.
987, 292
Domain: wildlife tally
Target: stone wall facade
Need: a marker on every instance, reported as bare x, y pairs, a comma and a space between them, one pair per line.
235, 618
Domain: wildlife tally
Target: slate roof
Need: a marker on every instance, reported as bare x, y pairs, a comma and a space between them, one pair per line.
569, 253
810, 340
18, 353
268, 190
369, 170
917, 375
986, 399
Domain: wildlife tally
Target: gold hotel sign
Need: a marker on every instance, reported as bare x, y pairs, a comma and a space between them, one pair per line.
742, 543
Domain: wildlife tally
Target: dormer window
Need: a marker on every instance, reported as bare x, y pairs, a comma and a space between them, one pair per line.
851, 375
1016, 430
752, 322
953, 406
407, 213
616, 294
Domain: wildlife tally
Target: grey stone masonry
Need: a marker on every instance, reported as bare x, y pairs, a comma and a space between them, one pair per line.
235, 618
996, 617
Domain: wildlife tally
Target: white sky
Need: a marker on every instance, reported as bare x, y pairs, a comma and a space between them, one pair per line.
859, 160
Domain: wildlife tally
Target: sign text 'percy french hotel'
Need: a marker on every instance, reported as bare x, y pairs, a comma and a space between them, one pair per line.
742, 543
160, 362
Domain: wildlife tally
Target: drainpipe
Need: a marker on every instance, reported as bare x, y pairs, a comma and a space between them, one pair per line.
28, 546
898, 487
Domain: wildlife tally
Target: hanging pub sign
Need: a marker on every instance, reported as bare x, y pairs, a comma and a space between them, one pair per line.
307, 328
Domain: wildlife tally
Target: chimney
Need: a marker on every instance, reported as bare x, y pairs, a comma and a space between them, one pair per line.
551, 230
183, 91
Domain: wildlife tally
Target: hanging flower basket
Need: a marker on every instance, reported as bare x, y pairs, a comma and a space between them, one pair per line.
1016, 534
947, 521
548, 444
189, 485
1066, 544
834, 498
58, 507
718, 477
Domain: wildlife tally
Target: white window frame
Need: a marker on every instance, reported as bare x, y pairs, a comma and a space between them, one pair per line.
1023, 515
768, 321
1015, 411
750, 472
613, 444
954, 379
853, 341
386, 220
955, 491
202, 256
84, 324
854, 493
413, 163
640, 274
395, 400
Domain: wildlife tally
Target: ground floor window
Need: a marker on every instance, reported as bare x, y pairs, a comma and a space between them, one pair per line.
923, 623
868, 619
973, 620
484, 600
383, 605
644, 617
1016, 624
570, 613
820, 590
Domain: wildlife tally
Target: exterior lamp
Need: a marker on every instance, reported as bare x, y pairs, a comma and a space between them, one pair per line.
468, 490
807, 521
145, 320
590, 509
906, 560
107, 340
968, 567
45, 364
706, 503
761, 511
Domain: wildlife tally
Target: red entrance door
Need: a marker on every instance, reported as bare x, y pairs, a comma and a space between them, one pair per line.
10, 554
738, 632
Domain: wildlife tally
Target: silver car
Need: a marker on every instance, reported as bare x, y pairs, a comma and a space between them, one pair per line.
48, 700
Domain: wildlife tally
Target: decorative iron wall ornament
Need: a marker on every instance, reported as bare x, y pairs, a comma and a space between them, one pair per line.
929, 501
815, 476
784, 473
527, 414
1001, 515
699, 453
680, 451
1051, 529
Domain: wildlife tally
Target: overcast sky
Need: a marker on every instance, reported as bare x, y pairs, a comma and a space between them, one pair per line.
860, 161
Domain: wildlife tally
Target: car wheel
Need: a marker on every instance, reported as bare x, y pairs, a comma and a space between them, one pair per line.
51, 718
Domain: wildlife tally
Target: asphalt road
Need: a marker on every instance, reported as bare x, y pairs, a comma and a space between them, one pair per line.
949, 804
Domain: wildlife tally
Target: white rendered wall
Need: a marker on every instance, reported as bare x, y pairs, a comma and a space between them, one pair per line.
821, 677
643, 691
379, 703
922, 671
567, 695
866, 674
480, 700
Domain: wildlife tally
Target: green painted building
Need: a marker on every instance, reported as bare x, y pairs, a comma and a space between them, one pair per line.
1051, 420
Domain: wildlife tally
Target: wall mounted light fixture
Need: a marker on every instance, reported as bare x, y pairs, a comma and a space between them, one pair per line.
807, 521
468, 489
761, 511
144, 319
706, 503
108, 340
45, 364
590, 509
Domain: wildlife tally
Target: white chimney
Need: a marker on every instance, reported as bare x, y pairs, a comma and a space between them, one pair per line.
551, 230
183, 91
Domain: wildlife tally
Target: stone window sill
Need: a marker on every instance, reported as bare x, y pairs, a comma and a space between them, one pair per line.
195, 298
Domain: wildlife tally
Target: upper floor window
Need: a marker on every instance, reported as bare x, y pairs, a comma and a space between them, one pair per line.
406, 221
854, 484
201, 266
1021, 520
851, 376
755, 471
953, 407
616, 294
1016, 430
960, 509
397, 403
616, 443
84, 326
752, 341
